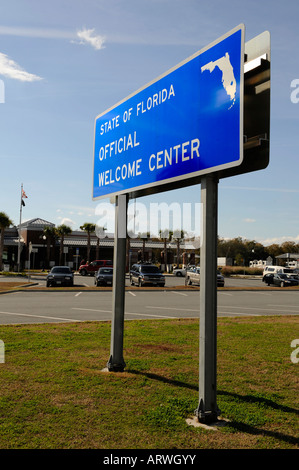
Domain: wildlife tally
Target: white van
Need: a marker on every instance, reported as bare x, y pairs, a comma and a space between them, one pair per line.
277, 269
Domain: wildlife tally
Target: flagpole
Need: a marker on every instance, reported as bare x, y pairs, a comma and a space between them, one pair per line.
19, 241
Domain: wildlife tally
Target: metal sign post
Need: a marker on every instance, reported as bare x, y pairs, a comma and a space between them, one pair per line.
116, 361
207, 410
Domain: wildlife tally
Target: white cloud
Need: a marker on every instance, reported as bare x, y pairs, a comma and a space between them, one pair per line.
9, 68
66, 221
87, 36
46, 33
249, 221
279, 240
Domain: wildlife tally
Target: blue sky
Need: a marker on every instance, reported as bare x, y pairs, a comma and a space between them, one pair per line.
64, 62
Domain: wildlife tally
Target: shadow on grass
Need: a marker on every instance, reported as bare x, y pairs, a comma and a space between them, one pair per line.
260, 401
246, 428
160, 378
234, 424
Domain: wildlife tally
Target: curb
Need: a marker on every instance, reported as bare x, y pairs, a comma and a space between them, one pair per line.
20, 288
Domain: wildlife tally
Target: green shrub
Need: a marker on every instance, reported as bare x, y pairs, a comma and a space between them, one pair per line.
232, 270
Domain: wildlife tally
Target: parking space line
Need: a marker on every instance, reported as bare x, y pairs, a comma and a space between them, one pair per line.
91, 310
173, 308
78, 293
179, 293
243, 314
260, 293
262, 309
132, 293
126, 313
289, 306
40, 316
149, 315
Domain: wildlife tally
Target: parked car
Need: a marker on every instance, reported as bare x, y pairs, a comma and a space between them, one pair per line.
183, 271
103, 277
220, 280
146, 274
94, 266
60, 276
179, 272
191, 267
281, 279
193, 277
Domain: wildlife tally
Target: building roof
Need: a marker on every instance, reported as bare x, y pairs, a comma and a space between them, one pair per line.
288, 256
81, 240
36, 223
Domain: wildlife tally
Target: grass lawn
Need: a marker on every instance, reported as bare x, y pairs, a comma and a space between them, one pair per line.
54, 394
10, 285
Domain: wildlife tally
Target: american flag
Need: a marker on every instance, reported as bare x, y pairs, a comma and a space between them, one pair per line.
23, 196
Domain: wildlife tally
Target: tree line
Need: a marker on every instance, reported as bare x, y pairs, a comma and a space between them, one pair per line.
242, 251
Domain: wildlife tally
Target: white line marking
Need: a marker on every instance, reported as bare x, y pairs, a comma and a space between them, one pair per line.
173, 308
39, 316
276, 305
244, 314
179, 293
92, 310
78, 293
260, 293
126, 313
132, 293
259, 308
149, 315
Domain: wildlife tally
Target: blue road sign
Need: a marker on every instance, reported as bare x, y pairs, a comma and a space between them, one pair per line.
184, 124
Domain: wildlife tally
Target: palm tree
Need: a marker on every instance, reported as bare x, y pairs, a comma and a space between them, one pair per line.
100, 231
51, 234
143, 237
5, 222
62, 230
89, 228
165, 235
178, 237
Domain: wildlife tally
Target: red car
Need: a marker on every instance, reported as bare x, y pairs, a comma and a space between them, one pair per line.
94, 266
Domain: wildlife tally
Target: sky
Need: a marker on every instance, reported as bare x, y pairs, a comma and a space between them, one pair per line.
62, 63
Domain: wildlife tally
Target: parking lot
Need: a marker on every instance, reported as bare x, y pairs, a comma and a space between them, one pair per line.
86, 281
72, 306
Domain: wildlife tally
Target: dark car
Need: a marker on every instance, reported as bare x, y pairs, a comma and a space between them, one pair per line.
60, 276
281, 279
104, 277
146, 274
284, 280
220, 279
